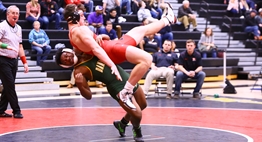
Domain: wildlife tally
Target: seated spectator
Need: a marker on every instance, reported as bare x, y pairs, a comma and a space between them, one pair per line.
259, 17
190, 66
233, 7
149, 44
111, 4
95, 19
61, 4
251, 24
144, 13
164, 34
186, 16
112, 16
251, 4
243, 6
89, 4
155, 10
2, 10
157, 38
49, 13
33, 12
163, 65
127, 5
135, 6
258, 5
206, 44
174, 49
108, 30
39, 42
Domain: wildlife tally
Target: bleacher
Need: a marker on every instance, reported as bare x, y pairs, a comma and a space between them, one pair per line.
212, 67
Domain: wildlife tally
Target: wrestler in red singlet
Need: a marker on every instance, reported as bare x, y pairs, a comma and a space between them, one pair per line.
115, 49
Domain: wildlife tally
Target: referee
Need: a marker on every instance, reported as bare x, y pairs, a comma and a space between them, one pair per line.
10, 38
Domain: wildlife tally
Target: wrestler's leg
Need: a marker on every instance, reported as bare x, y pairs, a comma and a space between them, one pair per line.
139, 97
142, 60
139, 32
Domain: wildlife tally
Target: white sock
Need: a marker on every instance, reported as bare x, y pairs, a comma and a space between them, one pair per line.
129, 86
165, 20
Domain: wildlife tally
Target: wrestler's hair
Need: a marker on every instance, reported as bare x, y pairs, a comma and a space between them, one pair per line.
58, 55
70, 13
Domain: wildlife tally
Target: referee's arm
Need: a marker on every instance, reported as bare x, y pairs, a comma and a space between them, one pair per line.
21, 54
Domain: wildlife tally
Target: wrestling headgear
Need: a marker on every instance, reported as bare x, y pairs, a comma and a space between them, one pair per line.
59, 53
74, 17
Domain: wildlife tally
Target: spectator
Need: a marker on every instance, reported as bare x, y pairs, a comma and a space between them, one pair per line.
190, 66
164, 34
111, 4
39, 42
206, 43
112, 16
251, 24
174, 49
163, 65
33, 12
186, 16
89, 4
149, 44
49, 12
258, 5
144, 13
127, 5
243, 6
95, 19
157, 38
82, 7
108, 30
259, 17
155, 10
135, 6
233, 7
2, 10
251, 4
60, 5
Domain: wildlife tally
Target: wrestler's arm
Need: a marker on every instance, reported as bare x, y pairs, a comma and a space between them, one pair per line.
81, 82
98, 51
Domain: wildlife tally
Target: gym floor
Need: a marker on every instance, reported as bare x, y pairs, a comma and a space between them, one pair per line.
71, 118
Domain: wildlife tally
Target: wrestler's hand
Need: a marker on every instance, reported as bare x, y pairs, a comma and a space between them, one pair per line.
99, 40
115, 71
11, 48
79, 78
26, 69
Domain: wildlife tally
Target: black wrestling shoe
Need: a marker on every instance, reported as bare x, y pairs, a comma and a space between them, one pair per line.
138, 135
120, 127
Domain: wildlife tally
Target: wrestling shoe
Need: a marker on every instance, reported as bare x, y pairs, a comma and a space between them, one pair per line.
120, 127
170, 13
125, 96
138, 135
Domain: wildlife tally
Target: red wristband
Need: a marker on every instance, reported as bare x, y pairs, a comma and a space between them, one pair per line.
23, 59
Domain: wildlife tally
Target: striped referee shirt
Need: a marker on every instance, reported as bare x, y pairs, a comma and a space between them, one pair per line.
11, 36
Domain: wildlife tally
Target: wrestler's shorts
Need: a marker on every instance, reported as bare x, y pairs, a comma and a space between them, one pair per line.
116, 49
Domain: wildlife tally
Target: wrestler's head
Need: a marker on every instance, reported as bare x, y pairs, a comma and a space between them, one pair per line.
74, 15
65, 57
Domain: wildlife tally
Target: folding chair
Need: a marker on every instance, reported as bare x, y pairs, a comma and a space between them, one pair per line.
257, 78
